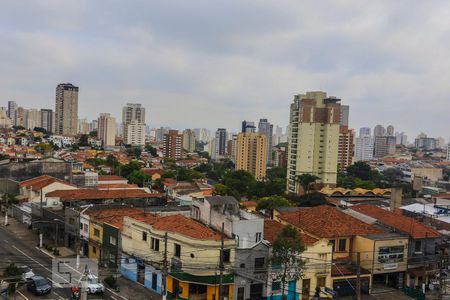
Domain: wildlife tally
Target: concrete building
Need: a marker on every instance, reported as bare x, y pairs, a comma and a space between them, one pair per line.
425, 143
173, 144
364, 148
133, 120
47, 119
390, 130
448, 152
384, 146
220, 143
251, 153
364, 131
401, 138
248, 126
264, 127
189, 140
5, 122
20, 117
379, 130
345, 111
12, 106
84, 127
346, 147
313, 138
66, 109
32, 118
107, 129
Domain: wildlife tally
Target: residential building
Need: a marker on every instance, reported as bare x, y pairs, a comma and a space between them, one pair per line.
384, 146
364, 147
232, 147
172, 144
313, 138
251, 153
448, 152
189, 140
248, 126
401, 138
390, 130
5, 122
47, 120
20, 118
280, 157
220, 144
264, 127
277, 136
106, 131
346, 147
32, 118
133, 120
202, 134
379, 130
12, 106
345, 111
192, 250
66, 109
425, 143
364, 131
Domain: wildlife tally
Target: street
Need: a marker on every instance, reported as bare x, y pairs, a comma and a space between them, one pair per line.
20, 248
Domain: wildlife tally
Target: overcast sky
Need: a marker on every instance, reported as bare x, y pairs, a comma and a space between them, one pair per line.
215, 63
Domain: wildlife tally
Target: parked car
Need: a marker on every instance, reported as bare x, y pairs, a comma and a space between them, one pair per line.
94, 287
38, 285
26, 271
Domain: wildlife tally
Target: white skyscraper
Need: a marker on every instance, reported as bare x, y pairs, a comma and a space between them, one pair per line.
133, 120
364, 145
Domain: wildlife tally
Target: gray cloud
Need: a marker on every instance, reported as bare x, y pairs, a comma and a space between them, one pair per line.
215, 63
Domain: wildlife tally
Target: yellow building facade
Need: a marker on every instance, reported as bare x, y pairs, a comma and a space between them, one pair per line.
251, 153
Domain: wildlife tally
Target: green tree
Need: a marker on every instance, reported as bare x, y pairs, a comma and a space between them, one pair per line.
93, 133
150, 149
138, 177
307, 181
40, 129
134, 151
126, 170
286, 252
360, 170
272, 202
276, 173
83, 141
43, 148
112, 161
240, 181
13, 275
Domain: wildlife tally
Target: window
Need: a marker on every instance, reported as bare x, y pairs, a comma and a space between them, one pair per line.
240, 295
112, 240
94, 250
155, 244
144, 236
177, 250
96, 232
321, 281
258, 237
418, 247
226, 255
259, 263
342, 245
276, 285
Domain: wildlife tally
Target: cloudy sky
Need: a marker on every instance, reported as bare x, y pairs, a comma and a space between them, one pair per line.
215, 63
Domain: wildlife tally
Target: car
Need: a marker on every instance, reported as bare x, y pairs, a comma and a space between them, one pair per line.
93, 286
26, 271
39, 285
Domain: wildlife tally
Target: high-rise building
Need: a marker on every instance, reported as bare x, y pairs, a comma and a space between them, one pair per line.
66, 109
172, 144
448, 152
266, 128
425, 143
401, 138
346, 147
5, 122
277, 135
84, 127
220, 143
12, 106
390, 130
189, 140
345, 111
32, 118
364, 146
313, 138
20, 117
47, 119
384, 146
106, 131
251, 153
133, 120
248, 126
231, 147
379, 130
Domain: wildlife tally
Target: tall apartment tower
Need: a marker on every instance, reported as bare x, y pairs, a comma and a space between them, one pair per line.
20, 117
107, 129
172, 143
220, 146
384, 146
47, 119
189, 140
346, 147
133, 120
364, 145
32, 118
345, 111
248, 126
251, 153
313, 138
12, 106
66, 109
264, 127
379, 130
390, 130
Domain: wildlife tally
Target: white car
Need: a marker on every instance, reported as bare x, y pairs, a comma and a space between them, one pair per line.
26, 271
93, 286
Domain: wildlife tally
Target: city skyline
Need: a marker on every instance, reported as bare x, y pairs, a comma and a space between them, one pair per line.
213, 71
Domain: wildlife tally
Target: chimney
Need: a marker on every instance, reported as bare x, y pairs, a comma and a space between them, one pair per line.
396, 197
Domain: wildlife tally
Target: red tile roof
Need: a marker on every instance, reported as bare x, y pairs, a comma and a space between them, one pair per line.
116, 186
327, 222
400, 222
150, 172
248, 203
40, 182
110, 178
93, 194
114, 216
273, 228
185, 226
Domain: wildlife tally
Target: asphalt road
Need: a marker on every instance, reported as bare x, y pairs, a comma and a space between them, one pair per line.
14, 250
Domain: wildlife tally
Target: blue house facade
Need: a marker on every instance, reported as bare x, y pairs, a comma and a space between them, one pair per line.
138, 271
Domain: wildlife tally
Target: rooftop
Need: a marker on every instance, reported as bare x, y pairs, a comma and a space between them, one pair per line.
219, 200
273, 228
93, 194
40, 182
400, 222
110, 178
327, 222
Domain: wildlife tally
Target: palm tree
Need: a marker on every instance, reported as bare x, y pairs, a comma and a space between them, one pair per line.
306, 181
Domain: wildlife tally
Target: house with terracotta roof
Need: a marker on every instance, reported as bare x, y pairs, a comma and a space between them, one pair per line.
111, 179
423, 251
193, 256
341, 230
36, 189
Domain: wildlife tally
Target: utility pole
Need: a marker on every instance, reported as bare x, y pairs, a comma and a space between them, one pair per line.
442, 284
221, 266
84, 279
358, 275
164, 271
